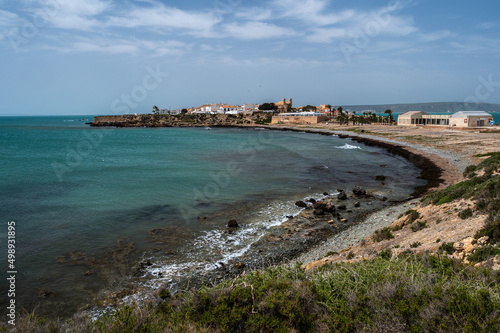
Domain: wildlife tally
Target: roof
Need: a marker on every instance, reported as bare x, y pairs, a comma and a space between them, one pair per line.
306, 114
411, 113
461, 114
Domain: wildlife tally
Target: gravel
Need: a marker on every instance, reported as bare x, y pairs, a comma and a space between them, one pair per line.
375, 221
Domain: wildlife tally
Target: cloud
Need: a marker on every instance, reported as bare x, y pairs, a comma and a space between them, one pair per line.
162, 17
487, 25
256, 30
129, 47
435, 36
311, 11
73, 14
366, 26
255, 14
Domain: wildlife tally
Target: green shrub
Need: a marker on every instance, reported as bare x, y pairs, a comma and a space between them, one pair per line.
413, 215
465, 214
415, 245
385, 254
382, 234
447, 248
419, 226
483, 253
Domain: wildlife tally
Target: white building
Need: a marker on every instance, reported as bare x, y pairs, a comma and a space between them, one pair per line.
471, 119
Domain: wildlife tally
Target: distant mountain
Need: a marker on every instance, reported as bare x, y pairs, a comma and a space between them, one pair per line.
452, 107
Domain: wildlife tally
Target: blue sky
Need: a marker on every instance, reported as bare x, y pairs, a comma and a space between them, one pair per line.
112, 57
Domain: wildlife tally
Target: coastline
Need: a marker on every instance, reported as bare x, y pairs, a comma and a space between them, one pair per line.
306, 238
440, 168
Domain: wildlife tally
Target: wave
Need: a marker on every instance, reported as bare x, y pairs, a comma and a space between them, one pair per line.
348, 146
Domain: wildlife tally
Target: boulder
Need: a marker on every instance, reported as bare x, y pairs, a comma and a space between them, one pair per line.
342, 196
318, 211
232, 224
357, 204
325, 206
380, 177
342, 207
458, 246
313, 201
301, 204
482, 240
358, 191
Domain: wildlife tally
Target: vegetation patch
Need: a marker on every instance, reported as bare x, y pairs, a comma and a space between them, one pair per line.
413, 215
382, 234
483, 253
414, 293
484, 190
447, 248
465, 214
419, 226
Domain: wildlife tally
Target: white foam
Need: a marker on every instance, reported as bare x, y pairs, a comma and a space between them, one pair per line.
348, 146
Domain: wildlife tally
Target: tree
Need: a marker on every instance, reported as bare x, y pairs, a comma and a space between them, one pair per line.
353, 118
389, 112
184, 111
309, 108
329, 107
268, 106
156, 110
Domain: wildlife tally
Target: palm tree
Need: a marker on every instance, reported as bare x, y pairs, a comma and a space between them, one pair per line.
340, 114
155, 109
329, 108
389, 112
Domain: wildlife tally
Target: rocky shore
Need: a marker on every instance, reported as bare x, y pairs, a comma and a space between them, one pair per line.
338, 226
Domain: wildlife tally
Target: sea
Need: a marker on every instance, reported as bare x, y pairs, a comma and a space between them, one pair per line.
89, 204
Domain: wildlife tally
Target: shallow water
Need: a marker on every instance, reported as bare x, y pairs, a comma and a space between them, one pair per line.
90, 203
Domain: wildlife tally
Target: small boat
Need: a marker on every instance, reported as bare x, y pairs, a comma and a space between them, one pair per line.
207, 128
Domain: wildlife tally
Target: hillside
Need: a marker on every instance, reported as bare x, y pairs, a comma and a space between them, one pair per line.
427, 107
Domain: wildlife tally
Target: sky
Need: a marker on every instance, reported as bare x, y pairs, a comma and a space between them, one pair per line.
61, 57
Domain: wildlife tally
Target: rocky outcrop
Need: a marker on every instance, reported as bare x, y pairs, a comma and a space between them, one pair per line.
182, 120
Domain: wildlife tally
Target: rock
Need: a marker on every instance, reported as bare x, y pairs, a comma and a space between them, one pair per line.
313, 201
232, 224
44, 292
325, 206
349, 211
325, 193
342, 196
469, 240
380, 177
342, 207
482, 240
88, 273
301, 204
319, 212
469, 248
458, 246
358, 191
343, 220
357, 204
239, 265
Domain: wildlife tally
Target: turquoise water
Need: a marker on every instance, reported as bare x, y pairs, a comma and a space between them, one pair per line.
88, 201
